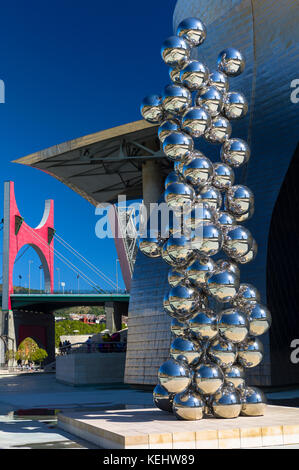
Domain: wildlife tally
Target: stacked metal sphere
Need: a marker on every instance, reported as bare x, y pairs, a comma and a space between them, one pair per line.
216, 321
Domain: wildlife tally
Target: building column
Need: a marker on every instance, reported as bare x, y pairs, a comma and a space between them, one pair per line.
152, 182
113, 316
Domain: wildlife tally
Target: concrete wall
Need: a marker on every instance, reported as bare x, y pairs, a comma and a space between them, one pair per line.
92, 368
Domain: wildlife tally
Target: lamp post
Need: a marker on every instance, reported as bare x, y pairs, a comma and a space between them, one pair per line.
78, 278
30, 261
58, 271
40, 278
116, 261
63, 286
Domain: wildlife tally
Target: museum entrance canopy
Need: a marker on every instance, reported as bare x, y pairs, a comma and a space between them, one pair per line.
102, 165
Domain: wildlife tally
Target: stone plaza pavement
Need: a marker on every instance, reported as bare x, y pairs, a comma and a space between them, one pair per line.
28, 404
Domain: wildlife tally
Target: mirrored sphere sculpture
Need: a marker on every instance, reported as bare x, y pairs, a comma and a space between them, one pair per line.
193, 31
253, 402
235, 105
185, 350
224, 176
151, 109
194, 75
188, 405
162, 399
176, 99
174, 377
235, 152
167, 127
196, 121
199, 171
175, 51
219, 80
231, 62
211, 99
223, 353
219, 130
250, 352
233, 325
223, 285
208, 378
235, 374
178, 146
227, 402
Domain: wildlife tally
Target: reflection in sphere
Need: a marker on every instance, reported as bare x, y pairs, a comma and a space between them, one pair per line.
224, 353
182, 349
226, 219
197, 216
199, 171
247, 294
195, 75
259, 319
227, 402
188, 406
193, 31
246, 216
174, 75
199, 270
196, 121
204, 325
151, 109
172, 177
250, 352
224, 176
238, 241
254, 402
233, 325
175, 277
176, 99
177, 327
235, 152
243, 259
179, 249
223, 285
162, 399
211, 196
229, 265
178, 194
168, 126
175, 51
209, 242
150, 247
183, 300
231, 62
211, 99
235, 105
174, 377
220, 81
219, 130
208, 378
239, 199
235, 374
178, 146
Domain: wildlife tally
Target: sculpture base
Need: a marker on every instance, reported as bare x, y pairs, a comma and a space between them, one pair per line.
151, 428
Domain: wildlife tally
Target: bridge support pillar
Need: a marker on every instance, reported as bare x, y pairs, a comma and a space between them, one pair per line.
113, 316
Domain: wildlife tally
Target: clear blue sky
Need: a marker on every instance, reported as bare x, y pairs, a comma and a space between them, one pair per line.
71, 68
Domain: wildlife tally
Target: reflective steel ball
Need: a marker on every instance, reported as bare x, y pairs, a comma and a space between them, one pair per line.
219, 130
247, 294
162, 399
254, 402
211, 99
175, 51
198, 271
223, 285
229, 265
220, 81
180, 249
233, 325
226, 403
150, 247
250, 352
246, 216
209, 242
188, 406
197, 216
204, 325
167, 127
231, 62
239, 199
174, 74
235, 152
176, 99
224, 176
183, 301
182, 349
208, 378
193, 31
235, 105
226, 219
177, 327
151, 109
259, 319
178, 146
172, 177
243, 259
196, 121
194, 75
174, 376
175, 277
238, 241
178, 194
235, 374
211, 196
224, 353
199, 171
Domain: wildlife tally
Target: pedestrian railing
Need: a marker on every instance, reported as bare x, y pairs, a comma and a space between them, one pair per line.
105, 347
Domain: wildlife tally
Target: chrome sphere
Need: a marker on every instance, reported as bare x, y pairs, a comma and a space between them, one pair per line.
175, 277
224, 176
175, 51
188, 406
199, 171
227, 402
177, 327
223, 285
162, 399
239, 199
250, 352
247, 294
259, 319
228, 265
238, 241
176, 99
151, 109
219, 130
254, 402
194, 75
167, 127
233, 325
211, 196
179, 165
193, 31
235, 374
174, 74
180, 249
211, 99
172, 177
174, 376
246, 216
235, 152
186, 351
209, 242
178, 146
178, 194
235, 105
150, 247
183, 301
165, 256
220, 81
198, 272
204, 325
197, 216
224, 353
226, 220
208, 378
231, 62
195, 121
243, 259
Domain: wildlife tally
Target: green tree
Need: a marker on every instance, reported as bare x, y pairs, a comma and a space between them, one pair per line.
26, 350
75, 327
39, 355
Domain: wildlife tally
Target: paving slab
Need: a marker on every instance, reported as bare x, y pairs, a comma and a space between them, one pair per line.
150, 428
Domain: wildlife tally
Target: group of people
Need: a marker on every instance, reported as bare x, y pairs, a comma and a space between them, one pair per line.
65, 347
